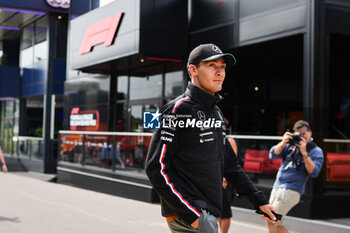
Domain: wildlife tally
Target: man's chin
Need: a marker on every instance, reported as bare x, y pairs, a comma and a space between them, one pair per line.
218, 88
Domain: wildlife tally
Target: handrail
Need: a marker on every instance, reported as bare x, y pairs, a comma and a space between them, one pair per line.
336, 140
105, 133
27, 137
258, 137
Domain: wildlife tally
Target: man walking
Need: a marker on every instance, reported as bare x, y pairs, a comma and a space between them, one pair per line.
190, 154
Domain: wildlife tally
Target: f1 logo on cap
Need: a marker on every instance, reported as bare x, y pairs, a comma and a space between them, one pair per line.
216, 49
101, 32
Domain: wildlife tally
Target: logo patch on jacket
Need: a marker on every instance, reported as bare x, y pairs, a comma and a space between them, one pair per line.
201, 115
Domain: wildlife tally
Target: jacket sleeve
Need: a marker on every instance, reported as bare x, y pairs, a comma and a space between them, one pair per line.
316, 155
240, 181
164, 146
272, 154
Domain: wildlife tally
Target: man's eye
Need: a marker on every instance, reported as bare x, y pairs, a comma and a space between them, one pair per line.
212, 65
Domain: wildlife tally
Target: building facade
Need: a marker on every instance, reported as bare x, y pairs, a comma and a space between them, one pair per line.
128, 57
33, 65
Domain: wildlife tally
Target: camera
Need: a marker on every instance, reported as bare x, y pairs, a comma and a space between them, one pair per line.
296, 138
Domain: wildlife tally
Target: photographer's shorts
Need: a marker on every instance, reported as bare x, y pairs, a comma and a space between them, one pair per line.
284, 200
207, 224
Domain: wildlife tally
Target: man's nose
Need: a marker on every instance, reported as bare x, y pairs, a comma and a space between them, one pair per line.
220, 72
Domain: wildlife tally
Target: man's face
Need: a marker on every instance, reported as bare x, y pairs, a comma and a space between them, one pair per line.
304, 133
209, 75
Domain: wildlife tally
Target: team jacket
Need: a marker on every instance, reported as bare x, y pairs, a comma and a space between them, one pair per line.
190, 154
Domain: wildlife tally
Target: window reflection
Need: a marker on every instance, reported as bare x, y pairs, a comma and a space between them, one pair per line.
339, 88
27, 52
136, 118
252, 7
105, 2
122, 88
146, 88
122, 114
34, 46
40, 42
138, 94
151, 107
173, 84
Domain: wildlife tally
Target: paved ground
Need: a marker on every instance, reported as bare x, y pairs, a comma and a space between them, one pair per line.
29, 203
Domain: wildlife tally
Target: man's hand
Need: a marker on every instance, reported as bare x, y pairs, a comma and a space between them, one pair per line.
4, 168
286, 137
195, 224
267, 209
309, 164
224, 183
302, 146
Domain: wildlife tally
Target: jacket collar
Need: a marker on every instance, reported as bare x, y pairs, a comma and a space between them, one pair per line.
201, 96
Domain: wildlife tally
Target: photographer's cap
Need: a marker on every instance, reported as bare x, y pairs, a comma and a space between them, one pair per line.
209, 52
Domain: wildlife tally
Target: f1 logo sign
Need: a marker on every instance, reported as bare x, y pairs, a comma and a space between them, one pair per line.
103, 31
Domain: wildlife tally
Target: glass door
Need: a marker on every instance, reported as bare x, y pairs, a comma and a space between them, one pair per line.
137, 110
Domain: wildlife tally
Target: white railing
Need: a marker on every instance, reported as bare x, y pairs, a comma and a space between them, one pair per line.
107, 133
336, 140
23, 138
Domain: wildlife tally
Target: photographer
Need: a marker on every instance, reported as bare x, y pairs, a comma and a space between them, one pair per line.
301, 158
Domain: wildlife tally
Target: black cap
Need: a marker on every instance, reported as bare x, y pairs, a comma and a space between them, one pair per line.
209, 52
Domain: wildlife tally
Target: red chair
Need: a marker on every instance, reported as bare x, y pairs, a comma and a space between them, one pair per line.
258, 161
338, 167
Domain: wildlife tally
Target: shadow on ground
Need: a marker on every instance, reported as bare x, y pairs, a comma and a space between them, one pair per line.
15, 219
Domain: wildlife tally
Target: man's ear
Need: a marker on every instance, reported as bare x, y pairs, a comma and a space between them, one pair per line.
192, 69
